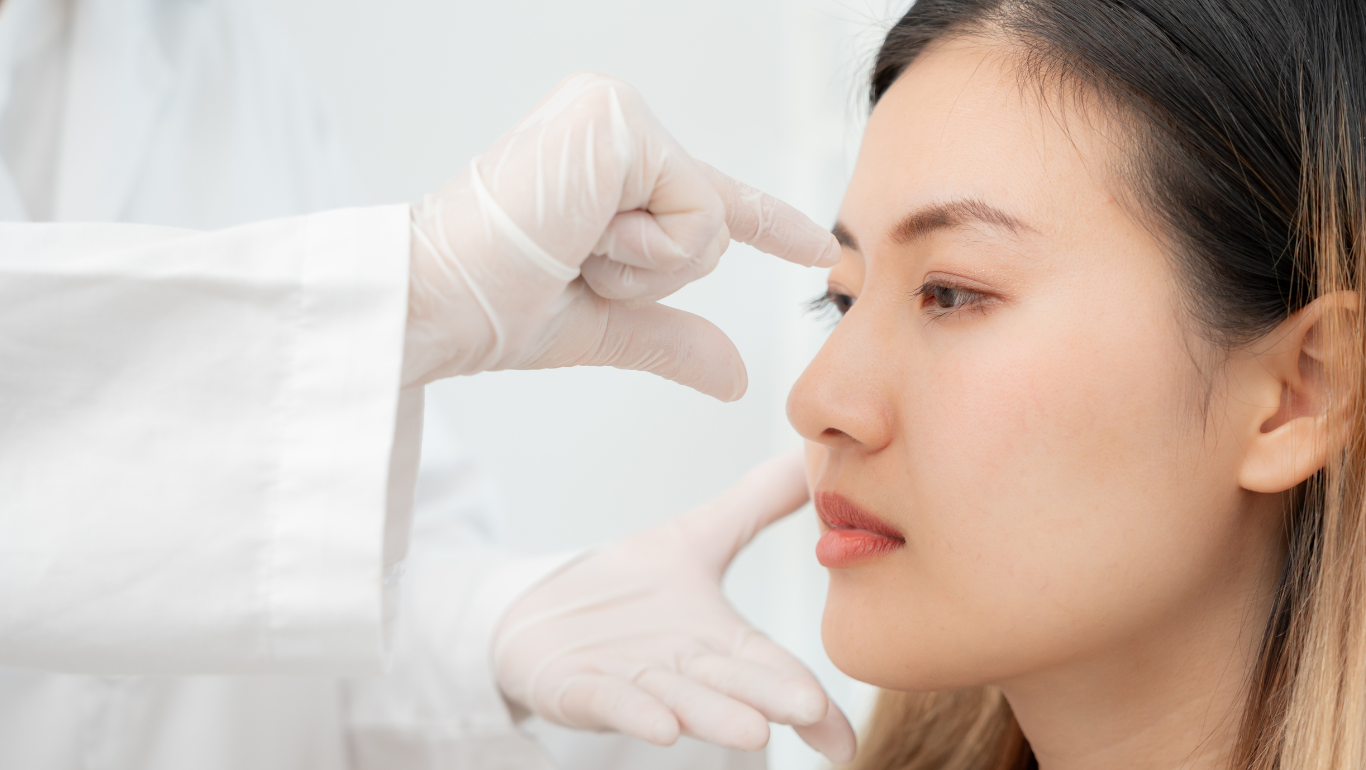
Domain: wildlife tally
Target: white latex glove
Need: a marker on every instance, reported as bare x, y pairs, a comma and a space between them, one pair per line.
551, 247
638, 638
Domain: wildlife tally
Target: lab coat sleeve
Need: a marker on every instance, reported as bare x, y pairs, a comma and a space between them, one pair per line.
198, 444
439, 705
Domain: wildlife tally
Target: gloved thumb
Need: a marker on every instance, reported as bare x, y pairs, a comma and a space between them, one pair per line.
673, 344
772, 490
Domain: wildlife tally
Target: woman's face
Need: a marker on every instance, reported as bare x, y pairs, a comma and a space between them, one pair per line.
1014, 394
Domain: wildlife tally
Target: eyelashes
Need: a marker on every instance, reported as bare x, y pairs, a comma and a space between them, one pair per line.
830, 306
943, 298
937, 298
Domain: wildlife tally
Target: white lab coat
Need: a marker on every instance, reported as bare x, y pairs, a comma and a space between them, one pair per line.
205, 461
198, 426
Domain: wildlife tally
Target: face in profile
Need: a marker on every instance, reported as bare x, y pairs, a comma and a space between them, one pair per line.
1015, 441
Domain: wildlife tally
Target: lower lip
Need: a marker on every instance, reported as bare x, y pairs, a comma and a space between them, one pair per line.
846, 547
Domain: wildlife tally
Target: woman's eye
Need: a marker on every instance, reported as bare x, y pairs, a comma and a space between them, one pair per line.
943, 298
832, 303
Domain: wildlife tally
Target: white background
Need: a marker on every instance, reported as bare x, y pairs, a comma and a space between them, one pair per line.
768, 91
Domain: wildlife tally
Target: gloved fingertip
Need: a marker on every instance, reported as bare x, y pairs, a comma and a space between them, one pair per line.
809, 705
662, 731
740, 381
728, 389
833, 737
842, 755
839, 749
738, 390
758, 737
830, 256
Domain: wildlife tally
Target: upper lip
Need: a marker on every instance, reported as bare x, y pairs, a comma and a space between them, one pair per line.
839, 513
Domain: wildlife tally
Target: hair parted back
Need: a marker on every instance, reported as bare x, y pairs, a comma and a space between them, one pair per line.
1247, 120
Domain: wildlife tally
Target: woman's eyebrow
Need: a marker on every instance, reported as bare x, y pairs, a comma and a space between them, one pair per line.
949, 215
843, 236
953, 215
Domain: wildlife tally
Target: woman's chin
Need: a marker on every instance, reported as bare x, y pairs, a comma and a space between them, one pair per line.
862, 644
914, 651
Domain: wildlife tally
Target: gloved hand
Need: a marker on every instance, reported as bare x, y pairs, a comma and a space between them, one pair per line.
551, 248
637, 637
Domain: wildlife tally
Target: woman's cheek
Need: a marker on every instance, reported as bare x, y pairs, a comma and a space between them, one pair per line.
982, 422
1048, 483
994, 456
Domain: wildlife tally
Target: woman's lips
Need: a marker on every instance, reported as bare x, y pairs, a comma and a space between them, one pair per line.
853, 534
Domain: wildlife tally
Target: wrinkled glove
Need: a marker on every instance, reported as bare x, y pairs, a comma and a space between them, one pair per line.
551, 248
637, 636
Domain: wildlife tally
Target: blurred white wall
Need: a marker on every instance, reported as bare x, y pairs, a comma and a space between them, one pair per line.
763, 89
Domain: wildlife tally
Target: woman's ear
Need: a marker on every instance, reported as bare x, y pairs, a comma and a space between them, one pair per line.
1300, 378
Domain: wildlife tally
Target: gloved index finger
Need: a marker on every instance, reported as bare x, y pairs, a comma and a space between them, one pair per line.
771, 226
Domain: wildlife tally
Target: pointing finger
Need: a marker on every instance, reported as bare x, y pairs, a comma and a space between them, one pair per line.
772, 226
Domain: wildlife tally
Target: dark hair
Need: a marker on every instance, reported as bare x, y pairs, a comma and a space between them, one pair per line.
1247, 128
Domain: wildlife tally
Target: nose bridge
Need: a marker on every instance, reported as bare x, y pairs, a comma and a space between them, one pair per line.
842, 399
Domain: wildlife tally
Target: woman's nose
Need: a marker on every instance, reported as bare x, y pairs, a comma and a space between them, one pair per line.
841, 400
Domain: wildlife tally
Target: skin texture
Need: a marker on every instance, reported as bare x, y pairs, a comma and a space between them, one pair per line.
1091, 494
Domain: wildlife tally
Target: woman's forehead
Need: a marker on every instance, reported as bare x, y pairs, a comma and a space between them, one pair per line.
958, 125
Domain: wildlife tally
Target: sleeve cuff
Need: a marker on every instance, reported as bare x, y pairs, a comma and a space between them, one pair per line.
441, 698
326, 563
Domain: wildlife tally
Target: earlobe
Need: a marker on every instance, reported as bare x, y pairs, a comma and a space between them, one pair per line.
1303, 370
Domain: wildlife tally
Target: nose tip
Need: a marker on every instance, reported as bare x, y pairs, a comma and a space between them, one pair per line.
840, 401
